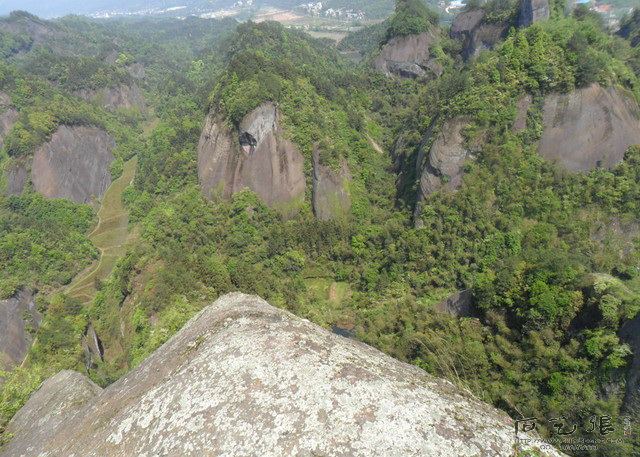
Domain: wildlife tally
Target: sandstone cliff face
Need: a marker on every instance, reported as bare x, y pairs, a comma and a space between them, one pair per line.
589, 127
409, 57
630, 333
74, 164
245, 379
256, 156
441, 165
532, 11
14, 338
8, 116
331, 196
113, 99
15, 173
475, 34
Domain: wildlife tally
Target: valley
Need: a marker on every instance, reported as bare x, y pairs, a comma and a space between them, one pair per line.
189, 203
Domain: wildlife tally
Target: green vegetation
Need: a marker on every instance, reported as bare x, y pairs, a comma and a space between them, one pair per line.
552, 282
411, 17
42, 242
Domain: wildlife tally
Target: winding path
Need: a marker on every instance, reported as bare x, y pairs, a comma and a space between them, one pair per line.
110, 236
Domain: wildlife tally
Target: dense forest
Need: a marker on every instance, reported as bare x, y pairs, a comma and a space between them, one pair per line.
550, 258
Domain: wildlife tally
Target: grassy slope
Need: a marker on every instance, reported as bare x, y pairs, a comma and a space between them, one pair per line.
110, 236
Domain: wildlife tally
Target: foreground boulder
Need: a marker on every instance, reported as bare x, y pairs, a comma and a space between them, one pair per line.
243, 378
409, 57
53, 406
589, 127
254, 156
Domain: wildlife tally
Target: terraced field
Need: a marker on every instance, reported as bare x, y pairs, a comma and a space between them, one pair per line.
110, 236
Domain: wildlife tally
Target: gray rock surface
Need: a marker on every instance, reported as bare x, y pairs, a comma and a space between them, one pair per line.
14, 338
17, 176
409, 57
257, 156
8, 117
74, 164
589, 127
520, 122
113, 99
137, 71
441, 165
331, 196
630, 333
532, 11
243, 378
52, 407
476, 35
458, 305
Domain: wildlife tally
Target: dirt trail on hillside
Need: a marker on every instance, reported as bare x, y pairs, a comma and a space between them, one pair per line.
110, 236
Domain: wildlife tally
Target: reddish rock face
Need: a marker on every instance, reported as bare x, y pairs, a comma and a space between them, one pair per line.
14, 338
243, 378
74, 164
256, 156
589, 127
532, 11
121, 98
331, 195
408, 57
476, 35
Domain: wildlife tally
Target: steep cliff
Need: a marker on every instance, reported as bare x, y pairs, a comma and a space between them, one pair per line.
244, 378
8, 116
74, 164
113, 99
331, 196
256, 156
589, 127
476, 33
440, 165
532, 11
14, 336
409, 57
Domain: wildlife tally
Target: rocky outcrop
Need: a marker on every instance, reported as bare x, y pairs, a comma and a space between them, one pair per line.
8, 116
458, 305
14, 336
137, 71
50, 408
331, 196
409, 57
16, 175
74, 164
630, 334
245, 379
441, 165
475, 33
532, 11
254, 156
522, 109
589, 127
114, 99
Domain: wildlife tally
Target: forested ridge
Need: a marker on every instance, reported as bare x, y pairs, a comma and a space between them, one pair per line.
550, 257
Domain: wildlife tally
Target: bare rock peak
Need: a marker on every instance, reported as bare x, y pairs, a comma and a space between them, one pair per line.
245, 378
532, 11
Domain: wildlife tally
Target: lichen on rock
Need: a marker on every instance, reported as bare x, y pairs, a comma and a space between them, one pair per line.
243, 378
